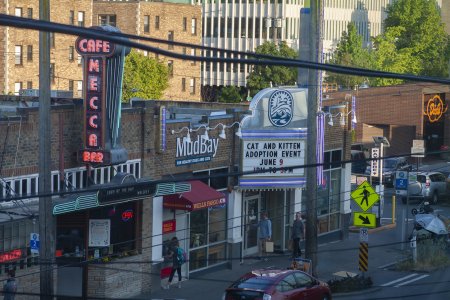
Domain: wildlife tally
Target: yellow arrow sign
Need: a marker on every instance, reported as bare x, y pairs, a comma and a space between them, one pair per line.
364, 219
365, 196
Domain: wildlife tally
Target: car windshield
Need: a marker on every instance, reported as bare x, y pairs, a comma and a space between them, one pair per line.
421, 178
389, 163
254, 283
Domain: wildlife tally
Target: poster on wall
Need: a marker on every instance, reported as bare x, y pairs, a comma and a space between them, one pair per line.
99, 232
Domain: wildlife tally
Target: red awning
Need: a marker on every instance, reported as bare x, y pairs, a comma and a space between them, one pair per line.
200, 196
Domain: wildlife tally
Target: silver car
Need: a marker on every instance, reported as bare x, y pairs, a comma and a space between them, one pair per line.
429, 186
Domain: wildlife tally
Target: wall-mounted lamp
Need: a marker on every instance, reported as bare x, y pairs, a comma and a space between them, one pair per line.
330, 120
205, 134
222, 134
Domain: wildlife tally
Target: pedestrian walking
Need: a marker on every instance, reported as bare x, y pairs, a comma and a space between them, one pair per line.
298, 234
177, 254
264, 234
10, 286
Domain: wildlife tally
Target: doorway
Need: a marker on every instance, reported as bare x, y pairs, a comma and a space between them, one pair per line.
252, 206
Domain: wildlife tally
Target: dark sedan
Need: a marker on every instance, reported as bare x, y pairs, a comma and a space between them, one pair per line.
277, 284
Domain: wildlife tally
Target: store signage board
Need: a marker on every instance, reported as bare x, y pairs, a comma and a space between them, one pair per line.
269, 158
364, 220
169, 226
374, 164
365, 196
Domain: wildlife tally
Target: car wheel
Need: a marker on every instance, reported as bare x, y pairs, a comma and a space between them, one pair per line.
414, 211
435, 198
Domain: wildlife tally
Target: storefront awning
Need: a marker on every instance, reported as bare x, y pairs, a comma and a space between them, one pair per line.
201, 196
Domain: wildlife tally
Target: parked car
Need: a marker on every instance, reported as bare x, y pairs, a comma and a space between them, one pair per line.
390, 166
429, 186
277, 284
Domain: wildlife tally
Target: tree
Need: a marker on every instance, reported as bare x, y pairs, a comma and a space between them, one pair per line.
349, 52
230, 94
262, 76
144, 77
419, 31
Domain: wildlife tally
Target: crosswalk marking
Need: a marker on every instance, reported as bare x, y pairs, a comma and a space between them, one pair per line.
400, 279
412, 280
405, 280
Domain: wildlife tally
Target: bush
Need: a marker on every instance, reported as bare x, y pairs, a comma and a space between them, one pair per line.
350, 284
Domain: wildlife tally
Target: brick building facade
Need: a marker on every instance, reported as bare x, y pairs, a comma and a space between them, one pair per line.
20, 65
209, 230
166, 21
402, 114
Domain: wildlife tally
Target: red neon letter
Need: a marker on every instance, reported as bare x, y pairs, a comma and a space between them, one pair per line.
94, 65
93, 121
92, 102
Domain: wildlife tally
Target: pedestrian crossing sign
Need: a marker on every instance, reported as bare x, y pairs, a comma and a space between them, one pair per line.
365, 196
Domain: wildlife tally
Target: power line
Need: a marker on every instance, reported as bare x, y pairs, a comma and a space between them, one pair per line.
120, 38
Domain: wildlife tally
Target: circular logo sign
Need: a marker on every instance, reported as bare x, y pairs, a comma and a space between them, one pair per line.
281, 107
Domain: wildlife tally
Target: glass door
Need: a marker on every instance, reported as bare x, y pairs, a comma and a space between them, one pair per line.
250, 221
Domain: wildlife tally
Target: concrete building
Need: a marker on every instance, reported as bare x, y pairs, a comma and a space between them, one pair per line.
243, 25
178, 20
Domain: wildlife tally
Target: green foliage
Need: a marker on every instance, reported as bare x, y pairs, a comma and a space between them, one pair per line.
349, 52
350, 284
144, 77
230, 94
414, 40
261, 76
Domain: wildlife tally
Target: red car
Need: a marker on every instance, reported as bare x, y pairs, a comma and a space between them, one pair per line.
276, 284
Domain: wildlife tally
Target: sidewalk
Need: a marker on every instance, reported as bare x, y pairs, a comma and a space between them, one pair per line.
339, 256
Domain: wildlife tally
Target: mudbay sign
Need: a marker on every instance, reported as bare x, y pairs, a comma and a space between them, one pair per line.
196, 151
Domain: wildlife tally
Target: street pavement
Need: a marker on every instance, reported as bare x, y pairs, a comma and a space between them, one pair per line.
334, 257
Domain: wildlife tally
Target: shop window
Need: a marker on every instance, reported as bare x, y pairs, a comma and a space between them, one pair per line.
199, 220
217, 181
217, 224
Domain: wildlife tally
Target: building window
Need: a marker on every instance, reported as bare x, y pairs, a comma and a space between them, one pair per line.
30, 12
81, 18
71, 53
192, 86
183, 84
193, 53
79, 87
107, 20
30, 53
70, 85
52, 40
170, 39
17, 88
52, 72
157, 22
18, 11
170, 67
79, 59
29, 85
194, 26
184, 50
71, 17
146, 24
18, 55
184, 24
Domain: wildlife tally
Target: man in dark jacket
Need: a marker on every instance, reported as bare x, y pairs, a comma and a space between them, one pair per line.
10, 286
298, 234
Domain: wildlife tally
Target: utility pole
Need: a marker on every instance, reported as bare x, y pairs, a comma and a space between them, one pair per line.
311, 159
46, 226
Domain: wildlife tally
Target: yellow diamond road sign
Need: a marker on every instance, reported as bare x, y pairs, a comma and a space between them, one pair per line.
364, 219
365, 196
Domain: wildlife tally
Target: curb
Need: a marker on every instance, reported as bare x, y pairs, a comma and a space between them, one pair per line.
356, 293
384, 227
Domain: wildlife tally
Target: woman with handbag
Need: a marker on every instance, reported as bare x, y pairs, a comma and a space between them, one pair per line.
264, 234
